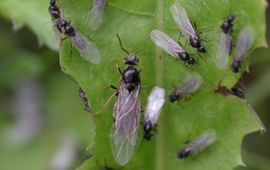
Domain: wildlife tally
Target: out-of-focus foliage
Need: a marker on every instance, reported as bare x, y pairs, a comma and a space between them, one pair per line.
33, 14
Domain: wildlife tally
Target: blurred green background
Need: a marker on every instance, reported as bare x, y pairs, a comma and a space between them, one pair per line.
43, 123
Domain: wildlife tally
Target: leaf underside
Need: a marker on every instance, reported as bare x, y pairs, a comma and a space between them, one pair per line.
179, 122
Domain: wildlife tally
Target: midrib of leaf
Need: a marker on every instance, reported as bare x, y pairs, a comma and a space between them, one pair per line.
159, 161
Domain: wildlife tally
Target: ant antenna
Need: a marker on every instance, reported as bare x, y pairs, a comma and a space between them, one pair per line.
230, 3
121, 44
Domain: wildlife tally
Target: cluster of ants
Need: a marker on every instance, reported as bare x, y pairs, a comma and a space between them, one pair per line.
127, 109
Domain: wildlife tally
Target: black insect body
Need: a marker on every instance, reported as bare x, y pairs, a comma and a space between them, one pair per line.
85, 100
64, 27
238, 92
54, 10
227, 25
186, 57
131, 76
236, 64
147, 127
244, 43
168, 45
182, 21
196, 43
155, 102
149, 130
184, 153
126, 113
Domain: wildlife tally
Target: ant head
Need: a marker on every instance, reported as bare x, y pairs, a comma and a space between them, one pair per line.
231, 18
184, 153
235, 66
147, 126
201, 49
173, 97
147, 136
183, 56
131, 59
52, 2
191, 61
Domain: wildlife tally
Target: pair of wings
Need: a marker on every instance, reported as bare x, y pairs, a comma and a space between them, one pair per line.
244, 43
166, 43
124, 132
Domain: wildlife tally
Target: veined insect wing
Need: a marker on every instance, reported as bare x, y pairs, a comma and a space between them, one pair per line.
95, 16
124, 132
245, 41
166, 43
87, 49
199, 144
182, 21
206, 139
223, 50
192, 81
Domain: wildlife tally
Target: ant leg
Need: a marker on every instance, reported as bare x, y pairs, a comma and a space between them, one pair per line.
119, 69
180, 43
187, 98
113, 87
195, 25
142, 109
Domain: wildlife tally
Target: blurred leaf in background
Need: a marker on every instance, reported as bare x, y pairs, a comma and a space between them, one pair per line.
40, 111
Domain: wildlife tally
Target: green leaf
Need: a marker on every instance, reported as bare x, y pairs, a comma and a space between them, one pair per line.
133, 21
33, 14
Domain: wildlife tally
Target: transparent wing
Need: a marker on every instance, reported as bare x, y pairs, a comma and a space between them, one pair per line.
166, 43
191, 83
96, 14
124, 132
207, 138
245, 41
223, 50
181, 19
58, 35
256, 117
87, 49
155, 102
